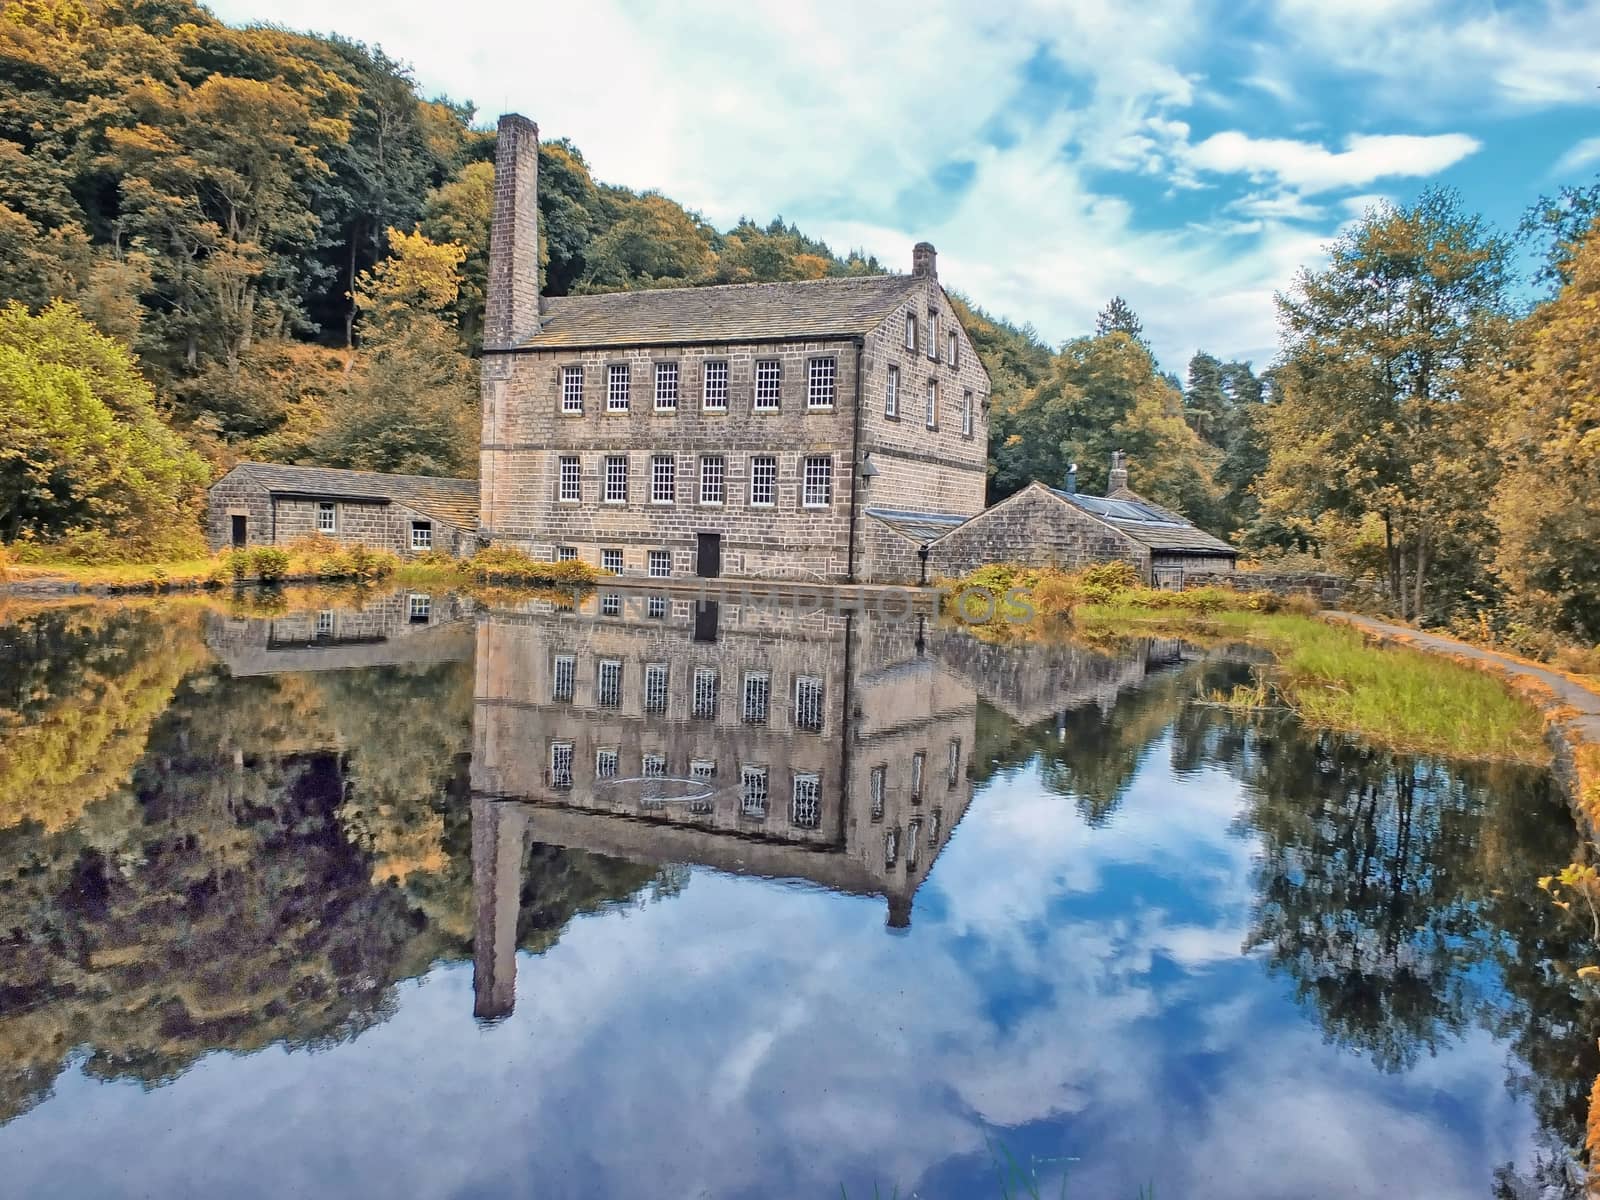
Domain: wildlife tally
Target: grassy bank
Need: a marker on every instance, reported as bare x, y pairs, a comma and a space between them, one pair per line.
1330, 675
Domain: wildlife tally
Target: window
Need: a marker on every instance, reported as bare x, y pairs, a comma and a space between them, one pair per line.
660, 564
421, 535
930, 406
808, 703
617, 387
891, 394
561, 764
876, 789
753, 792
611, 560
933, 827
563, 677
712, 469
616, 479
605, 763
566, 553
818, 482
952, 346
757, 689
891, 844
572, 389
656, 608
420, 609
966, 414
714, 389
769, 378
655, 688
918, 762
655, 766
911, 331
953, 768
325, 623
571, 481
611, 604
763, 479
703, 769
327, 521
663, 479
913, 828
820, 378
933, 336
705, 694
666, 387
805, 810
608, 683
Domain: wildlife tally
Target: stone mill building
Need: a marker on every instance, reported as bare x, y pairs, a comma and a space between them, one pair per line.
773, 430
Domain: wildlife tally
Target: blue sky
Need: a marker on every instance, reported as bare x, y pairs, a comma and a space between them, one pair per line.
1188, 155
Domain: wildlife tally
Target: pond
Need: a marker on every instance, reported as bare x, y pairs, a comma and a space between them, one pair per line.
412, 895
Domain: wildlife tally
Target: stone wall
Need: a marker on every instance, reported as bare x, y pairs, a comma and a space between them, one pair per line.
884, 555
1328, 590
236, 494
1036, 528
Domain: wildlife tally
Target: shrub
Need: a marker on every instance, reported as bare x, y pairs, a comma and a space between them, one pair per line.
269, 563
504, 564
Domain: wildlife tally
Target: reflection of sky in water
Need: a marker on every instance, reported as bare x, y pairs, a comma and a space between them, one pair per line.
1074, 992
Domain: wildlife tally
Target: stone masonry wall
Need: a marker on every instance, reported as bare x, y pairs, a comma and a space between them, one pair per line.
237, 494
1327, 590
1035, 528
526, 434
885, 556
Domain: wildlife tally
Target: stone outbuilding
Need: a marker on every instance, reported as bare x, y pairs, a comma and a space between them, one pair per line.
267, 504
1046, 526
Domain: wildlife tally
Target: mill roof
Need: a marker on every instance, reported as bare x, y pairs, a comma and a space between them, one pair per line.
750, 312
1147, 523
921, 527
454, 501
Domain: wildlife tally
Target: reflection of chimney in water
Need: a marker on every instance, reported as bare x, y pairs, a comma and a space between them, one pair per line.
899, 911
499, 846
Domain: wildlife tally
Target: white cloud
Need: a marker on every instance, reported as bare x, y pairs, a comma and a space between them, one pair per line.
1311, 167
1581, 156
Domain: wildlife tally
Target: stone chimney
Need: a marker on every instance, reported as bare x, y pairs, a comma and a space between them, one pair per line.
925, 260
499, 845
511, 311
1119, 472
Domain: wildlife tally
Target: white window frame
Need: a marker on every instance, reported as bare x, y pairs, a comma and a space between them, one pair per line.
930, 405
425, 529
911, 331
952, 348
810, 714
756, 705
805, 803
891, 393
953, 762
891, 845
611, 560
608, 683
566, 554
913, 829
878, 788
666, 387
655, 607
419, 608
616, 489
563, 677
619, 388
660, 564
653, 766
763, 474
607, 762
714, 385
704, 769
569, 479
663, 479
919, 762
703, 700
966, 414
817, 481
325, 622
572, 391
933, 336
769, 385
561, 765
753, 792
327, 516
657, 679
611, 604
713, 479
822, 380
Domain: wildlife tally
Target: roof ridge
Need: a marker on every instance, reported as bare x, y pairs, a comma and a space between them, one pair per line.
725, 287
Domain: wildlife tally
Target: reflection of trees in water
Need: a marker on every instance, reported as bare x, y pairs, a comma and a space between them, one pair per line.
1396, 894
289, 848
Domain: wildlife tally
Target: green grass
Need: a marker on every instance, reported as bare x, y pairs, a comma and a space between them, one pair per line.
1332, 677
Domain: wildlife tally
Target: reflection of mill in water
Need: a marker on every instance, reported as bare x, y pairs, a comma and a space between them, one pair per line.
757, 740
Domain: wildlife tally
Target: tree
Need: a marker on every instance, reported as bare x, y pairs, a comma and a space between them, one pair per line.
1118, 317
459, 212
1373, 418
1222, 404
411, 405
1546, 506
86, 448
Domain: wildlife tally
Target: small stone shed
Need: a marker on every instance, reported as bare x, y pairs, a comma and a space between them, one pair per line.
268, 504
1046, 526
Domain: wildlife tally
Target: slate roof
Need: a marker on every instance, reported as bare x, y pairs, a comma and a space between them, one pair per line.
1147, 523
453, 501
730, 312
920, 527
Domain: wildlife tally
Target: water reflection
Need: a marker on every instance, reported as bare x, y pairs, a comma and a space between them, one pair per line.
227, 828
